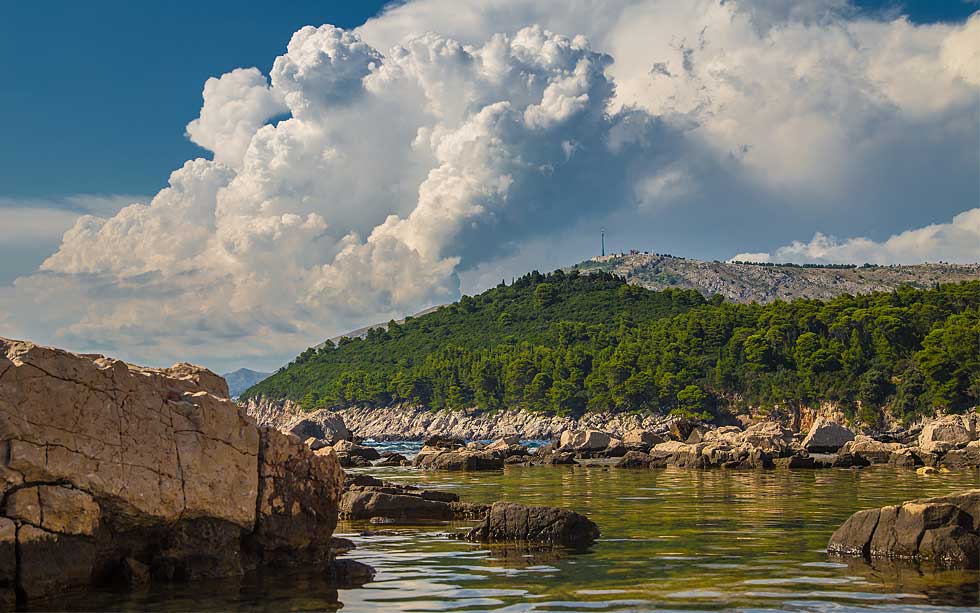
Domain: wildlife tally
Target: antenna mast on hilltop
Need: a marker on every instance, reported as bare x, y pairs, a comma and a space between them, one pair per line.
602, 231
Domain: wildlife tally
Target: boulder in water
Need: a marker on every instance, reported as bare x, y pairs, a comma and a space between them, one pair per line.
460, 460
512, 522
943, 531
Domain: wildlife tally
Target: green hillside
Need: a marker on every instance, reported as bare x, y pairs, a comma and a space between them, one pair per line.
568, 343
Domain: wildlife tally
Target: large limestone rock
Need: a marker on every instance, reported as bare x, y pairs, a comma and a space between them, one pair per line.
941, 530
353, 449
323, 424
826, 436
583, 440
105, 466
508, 521
638, 439
947, 432
460, 460
769, 437
875, 452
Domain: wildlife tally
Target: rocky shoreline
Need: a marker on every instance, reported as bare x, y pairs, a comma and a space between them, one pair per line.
947, 442
116, 474
418, 424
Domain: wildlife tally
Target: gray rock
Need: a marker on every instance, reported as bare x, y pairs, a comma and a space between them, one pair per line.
366, 504
321, 424
939, 530
826, 436
641, 440
509, 522
634, 459
947, 432
353, 449
461, 460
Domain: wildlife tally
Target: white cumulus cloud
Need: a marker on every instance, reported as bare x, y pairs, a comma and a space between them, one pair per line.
375, 172
957, 241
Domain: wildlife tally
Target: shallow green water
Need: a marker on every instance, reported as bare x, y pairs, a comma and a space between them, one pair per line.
671, 539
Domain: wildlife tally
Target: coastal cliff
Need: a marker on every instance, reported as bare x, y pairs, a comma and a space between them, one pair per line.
112, 473
416, 423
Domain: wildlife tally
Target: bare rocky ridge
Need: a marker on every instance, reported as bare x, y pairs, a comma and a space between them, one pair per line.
753, 283
113, 472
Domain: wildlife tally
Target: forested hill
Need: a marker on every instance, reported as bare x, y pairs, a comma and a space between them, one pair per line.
750, 282
569, 342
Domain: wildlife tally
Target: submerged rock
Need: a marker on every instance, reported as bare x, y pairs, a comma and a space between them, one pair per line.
512, 522
113, 472
941, 530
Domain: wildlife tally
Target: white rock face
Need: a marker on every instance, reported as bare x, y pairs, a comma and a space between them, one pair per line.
826, 435
393, 423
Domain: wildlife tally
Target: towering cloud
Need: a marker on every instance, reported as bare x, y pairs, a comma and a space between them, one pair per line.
375, 171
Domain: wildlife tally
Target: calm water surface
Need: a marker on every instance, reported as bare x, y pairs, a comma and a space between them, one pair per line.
672, 539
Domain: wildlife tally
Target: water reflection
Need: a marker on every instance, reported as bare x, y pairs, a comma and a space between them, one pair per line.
672, 539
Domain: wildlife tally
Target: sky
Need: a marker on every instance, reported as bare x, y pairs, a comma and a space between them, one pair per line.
291, 183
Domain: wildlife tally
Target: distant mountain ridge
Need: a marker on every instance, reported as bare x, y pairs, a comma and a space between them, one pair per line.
765, 283
242, 379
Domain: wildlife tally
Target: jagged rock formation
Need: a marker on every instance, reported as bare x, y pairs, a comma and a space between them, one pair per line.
944, 531
408, 423
278, 414
753, 283
113, 472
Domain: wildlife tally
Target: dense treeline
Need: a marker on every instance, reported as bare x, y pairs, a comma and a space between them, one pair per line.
569, 343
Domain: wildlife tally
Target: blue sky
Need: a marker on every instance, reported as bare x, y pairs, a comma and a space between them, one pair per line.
349, 180
98, 93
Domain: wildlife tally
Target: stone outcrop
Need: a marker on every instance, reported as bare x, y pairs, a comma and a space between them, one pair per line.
826, 436
583, 440
942, 531
459, 459
947, 432
875, 452
323, 425
111, 472
278, 414
366, 497
708, 455
416, 423
638, 439
511, 522
349, 453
